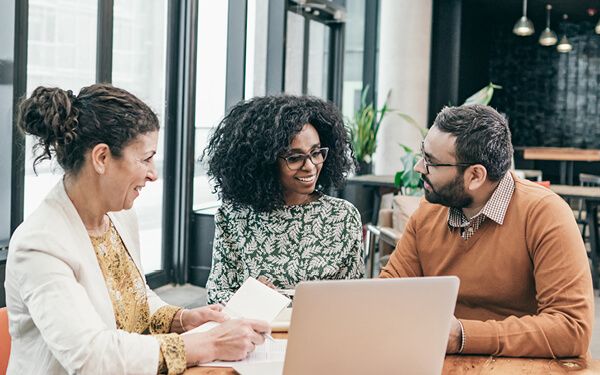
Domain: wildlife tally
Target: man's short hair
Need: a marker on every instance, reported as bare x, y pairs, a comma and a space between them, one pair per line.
482, 137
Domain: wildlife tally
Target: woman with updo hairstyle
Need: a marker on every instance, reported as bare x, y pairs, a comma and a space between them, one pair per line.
272, 159
77, 298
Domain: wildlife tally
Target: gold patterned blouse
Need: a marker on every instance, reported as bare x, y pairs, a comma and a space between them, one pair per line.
127, 291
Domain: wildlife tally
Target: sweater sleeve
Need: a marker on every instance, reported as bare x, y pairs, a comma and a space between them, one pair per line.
562, 326
224, 278
404, 261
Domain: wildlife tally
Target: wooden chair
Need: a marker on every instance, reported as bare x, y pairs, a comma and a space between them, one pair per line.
387, 233
4, 340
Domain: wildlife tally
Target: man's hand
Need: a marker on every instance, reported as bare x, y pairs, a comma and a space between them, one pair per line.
455, 338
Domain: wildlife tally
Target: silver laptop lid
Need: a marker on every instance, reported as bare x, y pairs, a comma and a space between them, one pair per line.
371, 326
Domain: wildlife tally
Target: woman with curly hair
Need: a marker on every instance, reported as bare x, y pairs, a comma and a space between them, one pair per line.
271, 160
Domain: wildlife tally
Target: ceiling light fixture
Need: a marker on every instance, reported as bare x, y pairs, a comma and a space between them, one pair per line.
564, 46
524, 26
548, 37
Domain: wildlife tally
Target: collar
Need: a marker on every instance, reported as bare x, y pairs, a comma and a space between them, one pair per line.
494, 209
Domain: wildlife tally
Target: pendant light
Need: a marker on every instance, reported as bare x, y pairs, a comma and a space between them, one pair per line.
548, 37
524, 26
564, 46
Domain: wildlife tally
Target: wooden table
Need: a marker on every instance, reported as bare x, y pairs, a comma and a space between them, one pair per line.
468, 364
565, 155
591, 198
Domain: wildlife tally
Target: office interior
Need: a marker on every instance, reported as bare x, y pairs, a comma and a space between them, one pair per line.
191, 60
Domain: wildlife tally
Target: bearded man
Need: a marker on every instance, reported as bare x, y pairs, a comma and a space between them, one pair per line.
526, 288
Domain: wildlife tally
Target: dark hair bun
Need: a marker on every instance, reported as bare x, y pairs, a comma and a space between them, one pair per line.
49, 114
68, 126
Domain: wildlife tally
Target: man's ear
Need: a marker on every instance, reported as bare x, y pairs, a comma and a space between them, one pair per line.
99, 157
475, 177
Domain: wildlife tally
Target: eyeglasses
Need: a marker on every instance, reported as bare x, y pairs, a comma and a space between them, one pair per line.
428, 164
297, 161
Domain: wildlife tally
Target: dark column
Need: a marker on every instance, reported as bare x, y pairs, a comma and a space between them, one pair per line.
445, 55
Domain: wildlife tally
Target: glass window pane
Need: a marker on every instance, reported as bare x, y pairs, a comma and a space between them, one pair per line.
7, 37
139, 61
210, 85
61, 52
256, 48
294, 53
353, 55
318, 54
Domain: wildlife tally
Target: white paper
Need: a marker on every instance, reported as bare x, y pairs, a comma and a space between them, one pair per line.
253, 300
263, 368
281, 323
270, 351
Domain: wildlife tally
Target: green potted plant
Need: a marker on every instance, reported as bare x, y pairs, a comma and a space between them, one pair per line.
408, 179
364, 128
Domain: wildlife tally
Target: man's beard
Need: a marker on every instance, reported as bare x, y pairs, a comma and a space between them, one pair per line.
452, 194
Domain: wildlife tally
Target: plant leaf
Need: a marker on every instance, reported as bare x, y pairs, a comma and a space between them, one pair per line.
483, 96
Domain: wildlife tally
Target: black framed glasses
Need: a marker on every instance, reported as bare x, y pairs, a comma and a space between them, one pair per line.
428, 164
296, 161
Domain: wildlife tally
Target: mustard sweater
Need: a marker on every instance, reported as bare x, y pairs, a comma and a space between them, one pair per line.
525, 285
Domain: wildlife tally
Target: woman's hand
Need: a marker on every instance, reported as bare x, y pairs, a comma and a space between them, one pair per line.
230, 341
263, 279
193, 318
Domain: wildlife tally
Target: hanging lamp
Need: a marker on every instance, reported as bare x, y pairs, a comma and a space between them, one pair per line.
564, 45
524, 26
548, 37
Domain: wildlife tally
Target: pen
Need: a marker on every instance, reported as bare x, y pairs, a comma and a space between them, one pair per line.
233, 314
268, 336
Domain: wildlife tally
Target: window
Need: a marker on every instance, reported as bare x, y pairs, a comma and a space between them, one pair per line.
210, 87
318, 53
139, 66
256, 48
294, 53
61, 52
353, 56
7, 37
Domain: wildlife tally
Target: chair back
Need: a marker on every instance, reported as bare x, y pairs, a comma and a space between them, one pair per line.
4, 341
585, 179
589, 179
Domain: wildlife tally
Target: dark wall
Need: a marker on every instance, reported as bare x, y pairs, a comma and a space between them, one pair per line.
551, 99
445, 55
475, 41
460, 49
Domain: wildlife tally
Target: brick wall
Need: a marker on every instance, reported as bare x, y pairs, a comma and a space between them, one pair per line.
551, 98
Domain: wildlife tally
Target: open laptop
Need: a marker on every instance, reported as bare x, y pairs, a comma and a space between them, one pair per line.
371, 326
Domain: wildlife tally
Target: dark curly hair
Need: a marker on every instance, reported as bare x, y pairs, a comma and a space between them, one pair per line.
67, 126
242, 151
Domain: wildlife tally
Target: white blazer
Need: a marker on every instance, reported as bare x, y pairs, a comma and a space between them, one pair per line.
61, 318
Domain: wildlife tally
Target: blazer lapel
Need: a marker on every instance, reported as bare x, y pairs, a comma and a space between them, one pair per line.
89, 261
